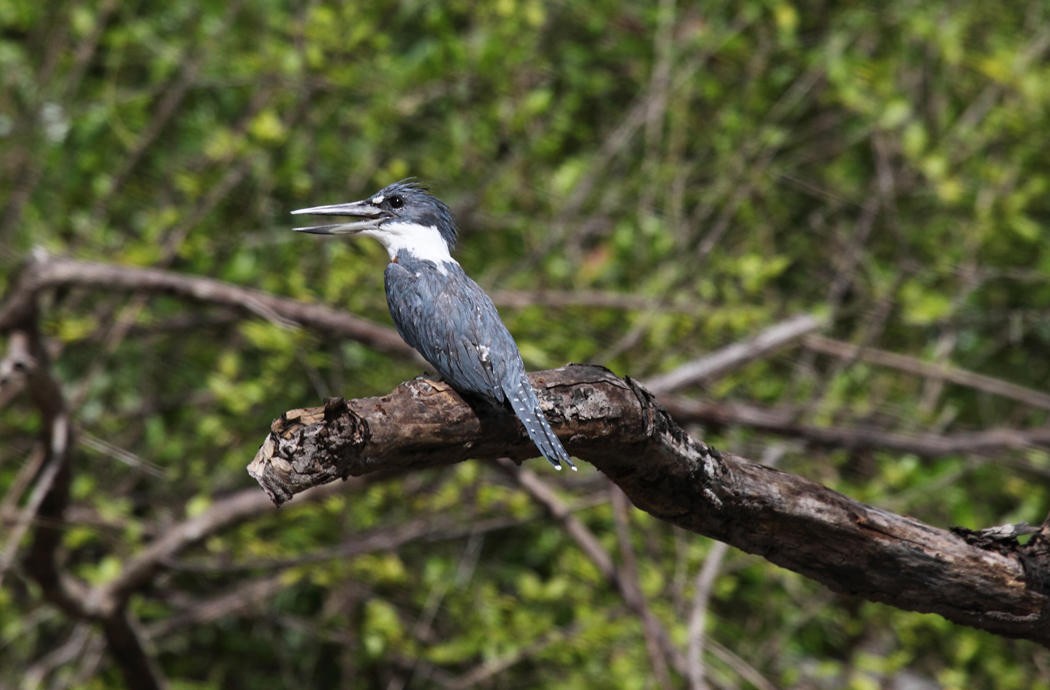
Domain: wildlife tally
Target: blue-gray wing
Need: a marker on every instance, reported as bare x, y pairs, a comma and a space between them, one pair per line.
450, 320
454, 325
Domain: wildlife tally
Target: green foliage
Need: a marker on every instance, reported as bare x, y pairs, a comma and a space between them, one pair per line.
729, 164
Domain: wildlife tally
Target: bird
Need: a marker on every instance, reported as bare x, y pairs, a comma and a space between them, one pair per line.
437, 308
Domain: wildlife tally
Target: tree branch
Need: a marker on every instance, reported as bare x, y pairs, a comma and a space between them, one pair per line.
784, 422
930, 370
736, 355
48, 505
657, 641
658, 644
47, 272
617, 426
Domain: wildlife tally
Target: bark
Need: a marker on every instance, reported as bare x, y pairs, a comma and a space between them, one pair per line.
615, 424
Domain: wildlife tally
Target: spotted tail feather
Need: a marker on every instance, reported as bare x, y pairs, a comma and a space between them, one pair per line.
525, 405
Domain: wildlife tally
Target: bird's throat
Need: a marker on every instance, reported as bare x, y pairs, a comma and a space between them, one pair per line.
422, 242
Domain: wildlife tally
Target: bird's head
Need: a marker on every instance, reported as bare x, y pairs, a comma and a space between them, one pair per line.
404, 216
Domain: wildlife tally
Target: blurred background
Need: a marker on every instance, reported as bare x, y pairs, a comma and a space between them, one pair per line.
636, 185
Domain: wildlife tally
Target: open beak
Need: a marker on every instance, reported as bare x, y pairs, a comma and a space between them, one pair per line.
368, 214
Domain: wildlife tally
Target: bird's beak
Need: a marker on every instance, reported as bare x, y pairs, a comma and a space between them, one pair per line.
369, 214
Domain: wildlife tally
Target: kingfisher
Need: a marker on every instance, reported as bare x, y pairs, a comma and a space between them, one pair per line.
437, 308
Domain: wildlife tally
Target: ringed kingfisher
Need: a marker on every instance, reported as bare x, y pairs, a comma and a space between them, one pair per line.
437, 308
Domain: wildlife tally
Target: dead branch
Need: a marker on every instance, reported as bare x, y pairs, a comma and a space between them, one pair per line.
47, 272
736, 355
659, 646
785, 423
618, 427
615, 424
49, 501
930, 370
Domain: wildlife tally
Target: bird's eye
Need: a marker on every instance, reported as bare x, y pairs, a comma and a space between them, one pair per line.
396, 201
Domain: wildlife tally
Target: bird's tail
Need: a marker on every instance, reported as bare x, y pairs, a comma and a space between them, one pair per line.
527, 408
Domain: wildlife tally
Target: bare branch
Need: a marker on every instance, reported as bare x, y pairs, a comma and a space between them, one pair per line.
490, 668
126, 646
47, 506
50, 498
697, 635
781, 421
141, 568
736, 355
61, 656
106, 603
616, 425
226, 512
45, 481
940, 372
45, 273
245, 595
658, 643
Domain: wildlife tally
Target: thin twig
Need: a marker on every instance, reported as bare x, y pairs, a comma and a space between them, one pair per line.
231, 510
784, 422
941, 372
592, 548
44, 483
736, 355
696, 636
493, 667
651, 626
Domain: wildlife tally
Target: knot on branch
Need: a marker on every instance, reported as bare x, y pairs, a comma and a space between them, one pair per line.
310, 446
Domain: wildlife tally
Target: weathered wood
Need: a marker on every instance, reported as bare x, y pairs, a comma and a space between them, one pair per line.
618, 427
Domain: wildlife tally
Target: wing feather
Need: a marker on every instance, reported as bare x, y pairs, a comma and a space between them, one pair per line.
450, 320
